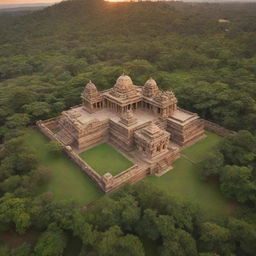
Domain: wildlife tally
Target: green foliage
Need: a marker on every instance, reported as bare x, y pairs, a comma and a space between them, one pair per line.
4, 251
51, 243
54, 147
14, 210
40, 176
212, 165
215, 238
239, 149
46, 72
23, 250
244, 235
237, 182
234, 163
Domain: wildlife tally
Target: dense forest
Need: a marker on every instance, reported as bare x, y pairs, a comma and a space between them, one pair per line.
47, 57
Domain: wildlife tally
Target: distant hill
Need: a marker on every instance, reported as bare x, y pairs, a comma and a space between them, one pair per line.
14, 6
21, 9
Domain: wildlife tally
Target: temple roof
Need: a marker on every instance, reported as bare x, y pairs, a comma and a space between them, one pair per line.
150, 88
90, 86
152, 129
151, 84
123, 84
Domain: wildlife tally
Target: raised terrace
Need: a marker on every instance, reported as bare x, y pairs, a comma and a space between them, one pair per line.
142, 123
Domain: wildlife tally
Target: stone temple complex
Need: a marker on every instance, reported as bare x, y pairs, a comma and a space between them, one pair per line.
142, 122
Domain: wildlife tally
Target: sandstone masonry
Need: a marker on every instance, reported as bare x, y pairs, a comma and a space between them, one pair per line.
141, 122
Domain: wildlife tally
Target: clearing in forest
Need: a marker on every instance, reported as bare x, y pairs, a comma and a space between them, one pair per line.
184, 181
68, 182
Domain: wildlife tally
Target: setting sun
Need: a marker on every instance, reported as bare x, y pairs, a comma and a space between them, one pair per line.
118, 1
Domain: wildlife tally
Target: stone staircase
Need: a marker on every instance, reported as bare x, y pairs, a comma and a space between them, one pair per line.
163, 164
161, 123
64, 137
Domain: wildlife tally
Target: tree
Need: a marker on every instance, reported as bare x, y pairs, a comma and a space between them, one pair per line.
114, 243
17, 121
170, 248
215, 239
239, 149
14, 210
237, 183
38, 110
244, 235
19, 97
18, 157
51, 243
54, 147
129, 212
10, 184
4, 251
181, 244
23, 250
213, 165
148, 225
40, 176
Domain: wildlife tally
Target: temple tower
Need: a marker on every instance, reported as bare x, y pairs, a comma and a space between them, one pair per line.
151, 141
150, 89
128, 118
92, 99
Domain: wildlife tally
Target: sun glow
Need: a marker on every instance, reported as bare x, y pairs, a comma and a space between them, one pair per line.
118, 1
125, 1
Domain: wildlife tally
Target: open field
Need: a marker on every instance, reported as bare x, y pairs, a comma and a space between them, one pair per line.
199, 151
104, 158
68, 182
183, 181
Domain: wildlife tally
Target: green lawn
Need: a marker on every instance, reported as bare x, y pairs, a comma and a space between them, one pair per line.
199, 151
183, 181
104, 158
68, 182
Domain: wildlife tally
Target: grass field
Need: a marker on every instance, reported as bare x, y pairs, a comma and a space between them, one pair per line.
68, 182
183, 181
104, 158
199, 151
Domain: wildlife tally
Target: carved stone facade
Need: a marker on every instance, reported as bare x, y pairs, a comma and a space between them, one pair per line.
140, 120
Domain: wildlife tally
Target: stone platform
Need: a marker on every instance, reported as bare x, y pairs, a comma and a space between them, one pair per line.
139, 121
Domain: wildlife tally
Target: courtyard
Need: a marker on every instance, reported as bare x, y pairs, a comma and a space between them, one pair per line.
104, 158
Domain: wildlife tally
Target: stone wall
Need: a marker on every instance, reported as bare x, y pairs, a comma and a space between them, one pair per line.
213, 127
130, 175
75, 157
93, 134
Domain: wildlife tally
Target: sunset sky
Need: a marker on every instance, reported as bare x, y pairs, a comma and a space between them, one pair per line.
17, 2
27, 1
